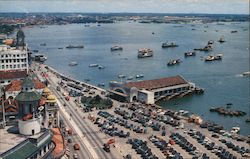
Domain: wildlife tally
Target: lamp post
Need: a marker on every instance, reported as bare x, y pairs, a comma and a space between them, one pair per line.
2, 99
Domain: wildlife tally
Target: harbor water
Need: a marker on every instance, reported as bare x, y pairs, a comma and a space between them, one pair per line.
222, 80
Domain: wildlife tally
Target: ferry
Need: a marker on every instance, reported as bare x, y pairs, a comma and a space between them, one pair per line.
222, 40
190, 53
116, 48
145, 52
174, 62
40, 57
73, 63
93, 65
169, 44
76, 46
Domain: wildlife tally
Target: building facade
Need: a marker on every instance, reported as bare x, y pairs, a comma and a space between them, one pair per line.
149, 91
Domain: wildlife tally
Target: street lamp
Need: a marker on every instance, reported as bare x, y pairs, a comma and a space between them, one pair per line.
2, 99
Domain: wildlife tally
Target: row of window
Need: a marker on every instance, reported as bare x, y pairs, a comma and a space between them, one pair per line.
171, 91
13, 66
13, 60
13, 55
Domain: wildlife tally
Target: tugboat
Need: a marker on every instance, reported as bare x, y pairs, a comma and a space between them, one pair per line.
73, 47
190, 53
145, 52
222, 40
73, 63
116, 48
174, 62
169, 44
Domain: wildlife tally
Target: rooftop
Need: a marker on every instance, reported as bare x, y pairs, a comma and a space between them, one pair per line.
59, 143
157, 83
16, 85
12, 74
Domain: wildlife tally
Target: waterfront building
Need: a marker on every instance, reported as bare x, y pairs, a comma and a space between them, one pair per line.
149, 91
14, 60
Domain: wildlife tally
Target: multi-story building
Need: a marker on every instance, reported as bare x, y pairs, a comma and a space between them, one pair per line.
14, 60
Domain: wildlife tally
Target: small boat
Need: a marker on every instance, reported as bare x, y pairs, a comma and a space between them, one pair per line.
213, 58
121, 76
35, 51
74, 46
130, 78
139, 76
93, 65
60, 48
234, 31
43, 44
174, 62
87, 80
169, 44
116, 48
206, 48
73, 63
98, 24
235, 130
153, 33
101, 67
248, 119
86, 25
222, 40
40, 57
190, 53
246, 73
101, 85
145, 52
210, 42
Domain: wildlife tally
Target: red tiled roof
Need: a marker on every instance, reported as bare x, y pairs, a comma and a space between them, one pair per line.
157, 83
12, 74
16, 85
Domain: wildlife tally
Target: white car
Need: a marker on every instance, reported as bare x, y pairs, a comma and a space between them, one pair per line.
75, 156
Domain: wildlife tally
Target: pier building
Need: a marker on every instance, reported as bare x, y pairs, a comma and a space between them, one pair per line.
149, 91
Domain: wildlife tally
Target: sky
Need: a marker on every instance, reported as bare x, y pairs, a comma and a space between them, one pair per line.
135, 6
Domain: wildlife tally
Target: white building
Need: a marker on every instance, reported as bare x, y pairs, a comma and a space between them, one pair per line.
13, 59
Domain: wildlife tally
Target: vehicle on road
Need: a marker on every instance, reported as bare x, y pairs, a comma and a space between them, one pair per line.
76, 146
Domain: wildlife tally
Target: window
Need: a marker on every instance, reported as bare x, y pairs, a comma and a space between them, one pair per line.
18, 60
17, 55
10, 66
7, 66
2, 66
2, 61
18, 65
14, 60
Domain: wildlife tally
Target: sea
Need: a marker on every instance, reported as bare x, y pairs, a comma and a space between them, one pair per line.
222, 80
